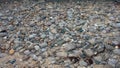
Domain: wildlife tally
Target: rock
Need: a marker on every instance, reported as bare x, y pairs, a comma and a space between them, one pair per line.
2, 55
83, 63
69, 46
36, 47
34, 57
61, 54
27, 52
98, 58
1, 14
112, 62
11, 51
92, 41
44, 44
117, 25
102, 66
89, 52
116, 51
32, 35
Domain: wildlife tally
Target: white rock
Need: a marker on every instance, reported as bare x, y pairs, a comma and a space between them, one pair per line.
36, 47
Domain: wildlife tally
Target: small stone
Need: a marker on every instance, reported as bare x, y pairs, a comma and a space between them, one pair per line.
83, 63
27, 52
34, 57
36, 47
112, 62
12, 51
43, 44
102, 66
89, 52
98, 58
61, 54
69, 46
116, 51
92, 41
32, 35
53, 30
117, 25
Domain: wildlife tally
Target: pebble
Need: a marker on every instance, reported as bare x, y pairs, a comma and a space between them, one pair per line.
89, 52
116, 51
102, 66
36, 47
69, 46
34, 57
27, 52
112, 62
32, 35
61, 54
44, 44
83, 63
117, 25
11, 51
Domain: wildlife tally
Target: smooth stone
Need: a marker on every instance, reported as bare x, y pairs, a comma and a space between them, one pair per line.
69, 46
61, 54
89, 52
11, 27
112, 62
3, 34
83, 63
36, 47
27, 52
32, 35
98, 58
1, 14
43, 36
2, 55
117, 25
34, 57
116, 51
109, 47
44, 44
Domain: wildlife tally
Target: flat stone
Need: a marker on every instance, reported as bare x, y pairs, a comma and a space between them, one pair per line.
89, 52
27, 52
112, 62
69, 46
44, 44
36, 47
116, 51
102, 66
83, 63
61, 54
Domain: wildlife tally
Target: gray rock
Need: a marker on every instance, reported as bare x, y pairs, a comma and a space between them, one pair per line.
27, 52
83, 63
116, 51
98, 58
61, 54
69, 46
32, 35
112, 62
3, 34
44, 44
117, 25
34, 57
89, 52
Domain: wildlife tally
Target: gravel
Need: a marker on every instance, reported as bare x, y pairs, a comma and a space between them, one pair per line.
39, 34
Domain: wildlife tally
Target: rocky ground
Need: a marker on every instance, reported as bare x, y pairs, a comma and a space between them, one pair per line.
84, 34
